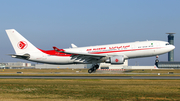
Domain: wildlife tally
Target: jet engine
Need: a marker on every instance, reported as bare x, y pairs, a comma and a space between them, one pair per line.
119, 59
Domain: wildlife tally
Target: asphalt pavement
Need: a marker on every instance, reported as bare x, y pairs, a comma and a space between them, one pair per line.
89, 77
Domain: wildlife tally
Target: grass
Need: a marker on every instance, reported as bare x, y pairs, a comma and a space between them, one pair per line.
88, 90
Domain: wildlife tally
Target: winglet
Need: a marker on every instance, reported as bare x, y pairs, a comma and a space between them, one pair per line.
73, 45
58, 50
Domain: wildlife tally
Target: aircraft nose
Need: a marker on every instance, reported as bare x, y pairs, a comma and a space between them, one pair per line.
173, 47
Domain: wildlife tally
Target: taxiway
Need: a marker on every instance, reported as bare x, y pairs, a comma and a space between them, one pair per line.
89, 77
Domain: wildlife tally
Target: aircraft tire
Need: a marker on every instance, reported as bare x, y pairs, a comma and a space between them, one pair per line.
90, 71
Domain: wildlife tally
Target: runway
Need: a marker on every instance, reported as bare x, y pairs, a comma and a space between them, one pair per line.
89, 77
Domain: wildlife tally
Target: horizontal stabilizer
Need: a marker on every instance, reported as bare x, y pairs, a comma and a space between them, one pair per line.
26, 56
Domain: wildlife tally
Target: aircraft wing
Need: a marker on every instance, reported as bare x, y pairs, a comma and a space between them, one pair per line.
82, 56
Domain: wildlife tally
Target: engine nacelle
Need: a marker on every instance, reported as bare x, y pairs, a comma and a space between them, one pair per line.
119, 59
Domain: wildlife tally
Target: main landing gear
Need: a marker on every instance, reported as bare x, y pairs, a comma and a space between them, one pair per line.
93, 68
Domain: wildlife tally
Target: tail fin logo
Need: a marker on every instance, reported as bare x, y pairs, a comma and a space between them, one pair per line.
22, 45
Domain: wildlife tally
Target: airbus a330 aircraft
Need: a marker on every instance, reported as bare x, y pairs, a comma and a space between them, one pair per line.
112, 53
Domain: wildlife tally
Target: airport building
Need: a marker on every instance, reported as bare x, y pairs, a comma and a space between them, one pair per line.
2, 66
16, 65
168, 65
21, 65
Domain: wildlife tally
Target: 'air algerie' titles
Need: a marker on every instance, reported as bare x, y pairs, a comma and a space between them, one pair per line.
104, 48
96, 49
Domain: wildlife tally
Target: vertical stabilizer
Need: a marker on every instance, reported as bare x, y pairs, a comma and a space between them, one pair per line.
19, 43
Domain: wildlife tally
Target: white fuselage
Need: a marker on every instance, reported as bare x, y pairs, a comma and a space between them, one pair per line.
112, 53
128, 50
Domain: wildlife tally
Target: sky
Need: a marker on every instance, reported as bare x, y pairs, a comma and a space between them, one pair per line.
48, 23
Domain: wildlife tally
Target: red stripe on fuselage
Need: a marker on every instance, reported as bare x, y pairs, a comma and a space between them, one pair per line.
53, 52
123, 50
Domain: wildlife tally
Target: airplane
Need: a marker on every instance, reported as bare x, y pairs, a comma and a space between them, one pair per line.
111, 53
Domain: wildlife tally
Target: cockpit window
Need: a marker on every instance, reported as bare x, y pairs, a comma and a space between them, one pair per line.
167, 44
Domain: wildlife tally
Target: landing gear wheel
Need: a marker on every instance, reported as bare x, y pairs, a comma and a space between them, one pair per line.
93, 69
90, 71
